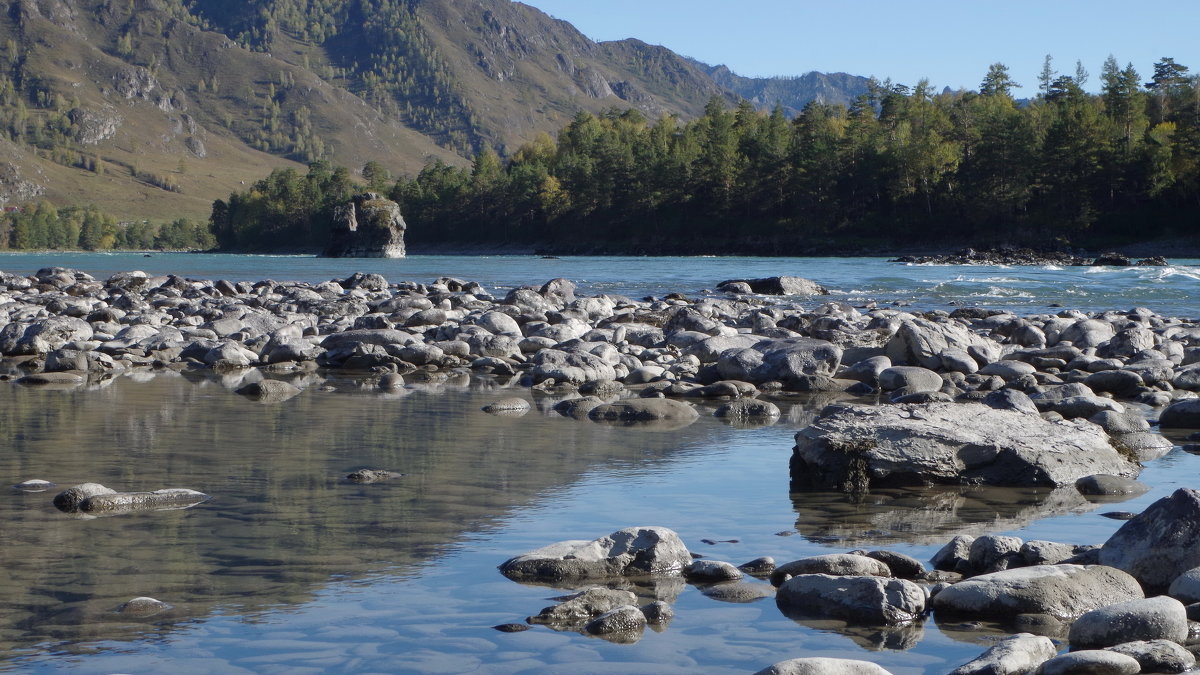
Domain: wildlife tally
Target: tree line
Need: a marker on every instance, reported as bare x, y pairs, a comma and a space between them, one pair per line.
900, 163
43, 227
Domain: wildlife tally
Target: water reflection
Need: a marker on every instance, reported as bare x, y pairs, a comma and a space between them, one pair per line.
928, 515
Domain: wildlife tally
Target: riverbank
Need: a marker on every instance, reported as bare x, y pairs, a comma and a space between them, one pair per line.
1071, 390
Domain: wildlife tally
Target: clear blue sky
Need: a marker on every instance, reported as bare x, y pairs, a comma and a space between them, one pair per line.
950, 43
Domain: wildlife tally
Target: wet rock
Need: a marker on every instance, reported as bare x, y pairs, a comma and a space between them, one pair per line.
759, 566
871, 601
55, 379
833, 564
748, 409
372, 475
69, 500
583, 607
949, 443
1090, 662
644, 410
902, 566
158, 500
578, 408
34, 485
625, 624
143, 608
1016, 655
658, 614
512, 627
1184, 414
711, 571
513, 407
1158, 618
738, 592
1159, 544
630, 552
1064, 591
1102, 484
1157, 656
818, 665
269, 391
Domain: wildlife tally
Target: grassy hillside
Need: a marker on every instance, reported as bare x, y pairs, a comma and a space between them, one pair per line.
151, 109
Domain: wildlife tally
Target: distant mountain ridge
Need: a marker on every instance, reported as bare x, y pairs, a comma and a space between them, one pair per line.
153, 108
792, 93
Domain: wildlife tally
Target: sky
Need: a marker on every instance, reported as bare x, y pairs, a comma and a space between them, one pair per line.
949, 43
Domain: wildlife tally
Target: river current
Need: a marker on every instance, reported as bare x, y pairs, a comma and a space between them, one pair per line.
292, 569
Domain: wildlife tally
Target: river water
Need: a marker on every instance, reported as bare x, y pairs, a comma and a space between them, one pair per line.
291, 568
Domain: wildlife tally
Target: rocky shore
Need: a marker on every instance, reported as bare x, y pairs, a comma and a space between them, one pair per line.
1030, 256
975, 396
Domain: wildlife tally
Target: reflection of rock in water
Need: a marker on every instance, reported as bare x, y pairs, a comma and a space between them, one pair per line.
874, 638
926, 515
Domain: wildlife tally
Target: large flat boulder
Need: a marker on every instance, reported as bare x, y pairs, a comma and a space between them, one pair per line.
782, 285
949, 443
1062, 591
633, 551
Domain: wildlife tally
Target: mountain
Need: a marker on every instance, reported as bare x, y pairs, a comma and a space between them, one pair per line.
153, 108
792, 93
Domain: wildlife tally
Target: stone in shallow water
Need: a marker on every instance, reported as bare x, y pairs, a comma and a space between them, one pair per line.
632, 551
34, 485
509, 407
144, 607
1160, 543
372, 475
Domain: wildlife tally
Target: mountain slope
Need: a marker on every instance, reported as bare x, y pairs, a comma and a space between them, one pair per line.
153, 108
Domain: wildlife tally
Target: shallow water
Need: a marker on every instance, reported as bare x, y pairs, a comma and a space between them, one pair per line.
290, 568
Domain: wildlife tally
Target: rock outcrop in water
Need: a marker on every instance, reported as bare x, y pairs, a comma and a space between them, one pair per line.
368, 226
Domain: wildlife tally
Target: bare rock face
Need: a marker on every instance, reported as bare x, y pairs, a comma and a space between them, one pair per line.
369, 226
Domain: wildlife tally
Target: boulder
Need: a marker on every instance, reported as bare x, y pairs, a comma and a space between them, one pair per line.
512, 407
583, 607
711, 571
1186, 587
144, 607
782, 285
269, 391
626, 621
1160, 543
1016, 655
920, 342
573, 367
873, 601
787, 360
748, 408
1063, 591
1158, 618
158, 500
636, 410
70, 499
833, 564
909, 378
1090, 662
1184, 414
949, 443
1157, 656
634, 551
819, 665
